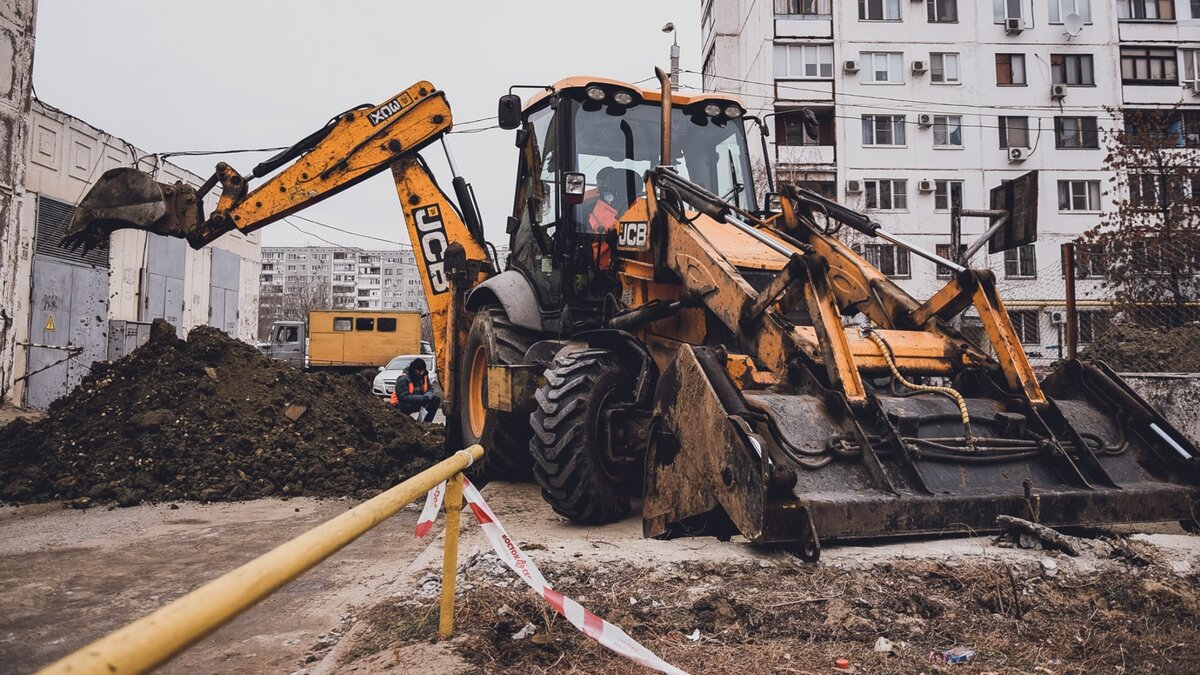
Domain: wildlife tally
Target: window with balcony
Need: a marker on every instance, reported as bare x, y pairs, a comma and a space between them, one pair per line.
1191, 66
882, 67
789, 128
947, 131
886, 194
887, 130
1149, 65
1146, 10
942, 11
1027, 325
893, 261
878, 10
1061, 9
1078, 195
1014, 132
943, 68
947, 194
1020, 262
1179, 128
1076, 132
804, 61
1145, 191
1010, 70
1072, 69
804, 9
1196, 9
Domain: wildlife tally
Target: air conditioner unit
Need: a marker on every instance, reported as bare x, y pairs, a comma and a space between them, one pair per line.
1195, 86
919, 67
1014, 25
925, 120
925, 186
853, 186
1058, 91
1017, 154
1057, 316
850, 66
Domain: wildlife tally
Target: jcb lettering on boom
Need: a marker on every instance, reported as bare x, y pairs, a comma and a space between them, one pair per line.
433, 245
388, 109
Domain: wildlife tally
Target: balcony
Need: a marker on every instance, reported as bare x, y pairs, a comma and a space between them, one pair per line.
806, 155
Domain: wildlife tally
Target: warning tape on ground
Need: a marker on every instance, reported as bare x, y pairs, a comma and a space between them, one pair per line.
592, 626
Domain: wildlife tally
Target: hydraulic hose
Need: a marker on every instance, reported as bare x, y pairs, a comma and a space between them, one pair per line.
870, 332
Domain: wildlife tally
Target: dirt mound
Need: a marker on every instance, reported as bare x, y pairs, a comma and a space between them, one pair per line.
211, 419
1134, 349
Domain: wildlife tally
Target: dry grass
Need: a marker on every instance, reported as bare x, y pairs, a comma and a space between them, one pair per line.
801, 618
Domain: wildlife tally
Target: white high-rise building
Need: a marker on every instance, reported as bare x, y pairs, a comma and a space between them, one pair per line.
927, 104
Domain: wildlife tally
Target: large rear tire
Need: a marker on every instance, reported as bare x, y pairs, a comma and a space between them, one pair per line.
492, 340
570, 461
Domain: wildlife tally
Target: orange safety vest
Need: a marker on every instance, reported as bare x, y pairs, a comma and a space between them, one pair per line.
411, 389
601, 221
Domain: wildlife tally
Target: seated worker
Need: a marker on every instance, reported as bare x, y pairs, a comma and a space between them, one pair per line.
412, 392
615, 191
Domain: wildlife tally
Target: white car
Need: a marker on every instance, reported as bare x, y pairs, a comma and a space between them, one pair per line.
385, 381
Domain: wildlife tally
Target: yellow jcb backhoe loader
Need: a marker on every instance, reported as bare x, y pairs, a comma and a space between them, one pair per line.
658, 334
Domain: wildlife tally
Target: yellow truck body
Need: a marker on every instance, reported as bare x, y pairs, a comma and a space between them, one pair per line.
341, 337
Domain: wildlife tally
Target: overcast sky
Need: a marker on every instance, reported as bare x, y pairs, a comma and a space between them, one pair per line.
171, 76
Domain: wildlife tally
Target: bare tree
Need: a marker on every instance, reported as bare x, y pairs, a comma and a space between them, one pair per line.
1148, 245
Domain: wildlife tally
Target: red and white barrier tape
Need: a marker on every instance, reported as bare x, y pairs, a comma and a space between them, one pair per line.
592, 626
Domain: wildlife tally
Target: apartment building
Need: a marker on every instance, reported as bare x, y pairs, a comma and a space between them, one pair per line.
297, 278
924, 105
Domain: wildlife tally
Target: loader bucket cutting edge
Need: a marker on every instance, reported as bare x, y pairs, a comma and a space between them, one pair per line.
126, 198
801, 467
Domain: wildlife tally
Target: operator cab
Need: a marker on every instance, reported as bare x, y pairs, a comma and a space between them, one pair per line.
585, 147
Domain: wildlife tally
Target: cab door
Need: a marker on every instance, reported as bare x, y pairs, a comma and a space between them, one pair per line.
536, 213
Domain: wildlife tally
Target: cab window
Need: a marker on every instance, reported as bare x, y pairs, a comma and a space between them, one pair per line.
286, 334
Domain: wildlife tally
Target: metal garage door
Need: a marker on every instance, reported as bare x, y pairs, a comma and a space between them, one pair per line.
69, 307
223, 291
165, 261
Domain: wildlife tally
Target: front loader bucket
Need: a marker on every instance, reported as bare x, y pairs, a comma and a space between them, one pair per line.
129, 198
805, 467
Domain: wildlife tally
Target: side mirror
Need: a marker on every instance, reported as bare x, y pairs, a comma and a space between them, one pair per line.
812, 128
381, 369
508, 112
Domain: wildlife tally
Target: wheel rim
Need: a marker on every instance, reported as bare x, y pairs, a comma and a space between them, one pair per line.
476, 410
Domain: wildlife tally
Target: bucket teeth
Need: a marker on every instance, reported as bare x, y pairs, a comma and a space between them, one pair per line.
127, 198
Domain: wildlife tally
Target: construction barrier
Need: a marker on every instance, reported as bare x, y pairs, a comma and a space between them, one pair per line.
159, 636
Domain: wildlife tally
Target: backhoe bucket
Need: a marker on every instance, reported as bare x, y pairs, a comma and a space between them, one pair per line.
129, 198
802, 467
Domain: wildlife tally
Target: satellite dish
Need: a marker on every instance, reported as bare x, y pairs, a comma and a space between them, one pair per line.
1073, 24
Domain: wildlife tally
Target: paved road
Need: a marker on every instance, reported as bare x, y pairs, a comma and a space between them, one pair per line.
68, 577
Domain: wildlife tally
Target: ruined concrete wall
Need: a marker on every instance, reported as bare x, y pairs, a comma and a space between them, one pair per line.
16, 77
1175, 395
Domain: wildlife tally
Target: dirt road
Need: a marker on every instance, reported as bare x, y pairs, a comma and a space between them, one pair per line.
68, 577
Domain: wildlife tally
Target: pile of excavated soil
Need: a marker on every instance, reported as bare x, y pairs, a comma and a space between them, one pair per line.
210, 419
1135, 349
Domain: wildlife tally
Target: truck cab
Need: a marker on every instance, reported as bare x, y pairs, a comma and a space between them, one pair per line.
286, 343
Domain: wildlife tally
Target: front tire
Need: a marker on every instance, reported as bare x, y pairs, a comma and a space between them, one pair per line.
569, 443
492, 340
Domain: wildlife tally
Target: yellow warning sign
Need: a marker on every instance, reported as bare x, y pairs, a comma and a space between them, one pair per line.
50, 323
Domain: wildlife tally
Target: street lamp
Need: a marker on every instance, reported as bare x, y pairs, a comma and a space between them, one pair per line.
670, 28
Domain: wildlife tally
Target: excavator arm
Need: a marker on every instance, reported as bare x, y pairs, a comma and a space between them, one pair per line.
448, 243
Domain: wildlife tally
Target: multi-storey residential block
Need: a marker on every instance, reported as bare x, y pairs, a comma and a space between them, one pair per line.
926, 105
